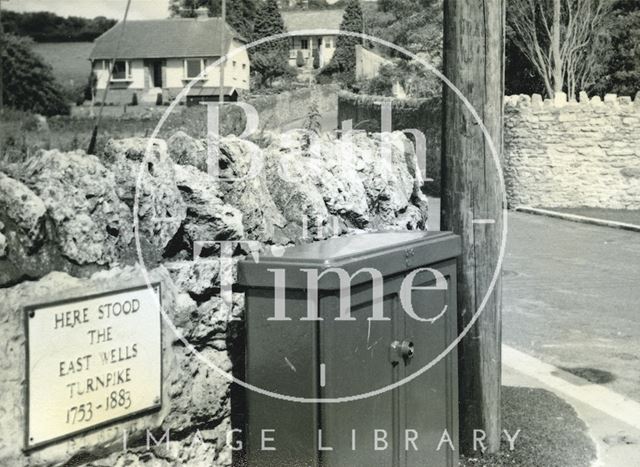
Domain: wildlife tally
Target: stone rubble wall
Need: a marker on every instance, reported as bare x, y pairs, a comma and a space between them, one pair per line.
572, 154
66, 229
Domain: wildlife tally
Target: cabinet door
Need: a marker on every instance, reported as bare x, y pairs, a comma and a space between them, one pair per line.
355, 355
430, 400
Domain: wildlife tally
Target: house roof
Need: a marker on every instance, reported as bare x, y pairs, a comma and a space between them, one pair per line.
312, 19
165, 38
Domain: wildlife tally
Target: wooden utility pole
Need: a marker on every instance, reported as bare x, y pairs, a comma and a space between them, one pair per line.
2, 45
472, 202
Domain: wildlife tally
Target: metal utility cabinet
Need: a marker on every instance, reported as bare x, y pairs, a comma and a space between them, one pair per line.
353, 362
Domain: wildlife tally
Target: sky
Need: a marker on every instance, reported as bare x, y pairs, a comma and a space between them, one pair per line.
140, 9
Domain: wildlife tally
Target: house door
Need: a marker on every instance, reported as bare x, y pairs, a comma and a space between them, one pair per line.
157, 74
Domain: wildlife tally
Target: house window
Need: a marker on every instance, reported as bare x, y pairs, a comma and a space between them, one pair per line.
193, 67
121, 70
327, 42
304, 44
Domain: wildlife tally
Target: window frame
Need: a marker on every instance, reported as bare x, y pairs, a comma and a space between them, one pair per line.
304, 44
185, 68
127, 71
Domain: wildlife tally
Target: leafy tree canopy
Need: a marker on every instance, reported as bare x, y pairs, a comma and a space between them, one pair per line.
270, 59
415, 25
240, 13
344, 58
622, 69
48, 27
28, 82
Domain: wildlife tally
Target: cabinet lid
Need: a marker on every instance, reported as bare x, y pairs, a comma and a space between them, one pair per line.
388, 252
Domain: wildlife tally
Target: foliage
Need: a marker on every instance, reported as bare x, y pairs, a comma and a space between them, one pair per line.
134, 99
240, 14
20, 136
415, 25
344, 59
417, 81
312, 124
561, 39
270, 59
313, 120
622, 67
316, 59
91, 88
520, 75
310, 4
48, 27
28, 83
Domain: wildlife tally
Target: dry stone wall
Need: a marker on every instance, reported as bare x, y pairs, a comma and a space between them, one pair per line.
67, 229
572, 154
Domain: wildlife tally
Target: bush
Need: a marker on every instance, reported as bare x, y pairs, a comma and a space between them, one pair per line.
300, 59
159, 99
134, 99
316, 59
90, 88
28, 82
269, 60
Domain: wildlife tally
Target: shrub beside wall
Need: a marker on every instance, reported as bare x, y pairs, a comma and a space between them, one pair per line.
572, 154
422, 114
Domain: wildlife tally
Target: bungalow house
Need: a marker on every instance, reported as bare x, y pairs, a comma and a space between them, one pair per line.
310, 44
162, 56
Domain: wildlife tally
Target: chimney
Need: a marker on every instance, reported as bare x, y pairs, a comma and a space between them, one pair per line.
202, 12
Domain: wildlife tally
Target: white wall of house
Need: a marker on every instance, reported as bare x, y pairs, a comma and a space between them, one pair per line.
175, 76
237, 69
306, 45
134, 80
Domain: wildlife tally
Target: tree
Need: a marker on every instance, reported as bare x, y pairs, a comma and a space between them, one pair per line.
622, 68
240, 14
271, 58
344, 58
28, 82
48, 27
415, 25
312, 124
560, 39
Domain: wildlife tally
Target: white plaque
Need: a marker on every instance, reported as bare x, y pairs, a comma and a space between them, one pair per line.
92, 360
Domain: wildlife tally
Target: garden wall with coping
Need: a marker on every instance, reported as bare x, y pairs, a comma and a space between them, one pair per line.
560, 153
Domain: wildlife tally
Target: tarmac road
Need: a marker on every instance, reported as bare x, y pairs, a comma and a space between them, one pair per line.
571, 297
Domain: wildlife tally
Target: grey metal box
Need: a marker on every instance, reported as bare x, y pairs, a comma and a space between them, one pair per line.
348, 360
